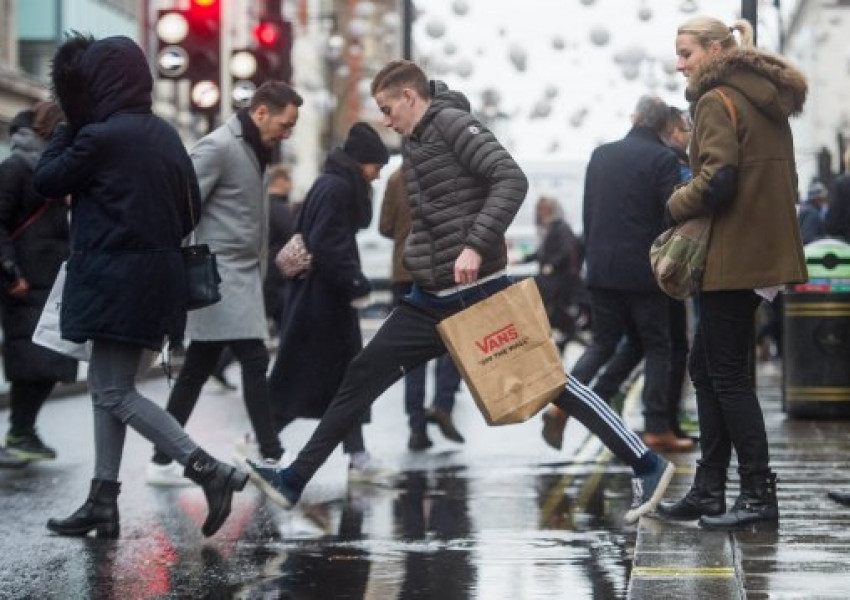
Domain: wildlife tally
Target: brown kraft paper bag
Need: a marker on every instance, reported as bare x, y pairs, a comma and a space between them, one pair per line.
503, 347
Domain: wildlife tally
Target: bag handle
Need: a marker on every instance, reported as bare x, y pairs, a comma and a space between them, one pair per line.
730, 108
31, 219
191, 213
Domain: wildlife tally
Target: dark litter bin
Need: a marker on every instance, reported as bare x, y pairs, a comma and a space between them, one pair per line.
816, 335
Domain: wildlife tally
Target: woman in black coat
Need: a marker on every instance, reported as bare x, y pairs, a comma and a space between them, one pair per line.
33, 244
134, 192
320, 326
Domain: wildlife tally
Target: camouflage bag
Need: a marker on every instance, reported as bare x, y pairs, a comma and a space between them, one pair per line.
678, 257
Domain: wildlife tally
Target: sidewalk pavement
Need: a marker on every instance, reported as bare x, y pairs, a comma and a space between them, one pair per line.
806, 557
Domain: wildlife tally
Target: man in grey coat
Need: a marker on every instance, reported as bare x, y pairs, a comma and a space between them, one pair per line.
230, 163
464, 190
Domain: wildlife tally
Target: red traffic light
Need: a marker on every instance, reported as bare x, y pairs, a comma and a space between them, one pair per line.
267, 34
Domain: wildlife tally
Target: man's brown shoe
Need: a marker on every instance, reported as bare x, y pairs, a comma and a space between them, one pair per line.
443, 420
668, 442
554, 423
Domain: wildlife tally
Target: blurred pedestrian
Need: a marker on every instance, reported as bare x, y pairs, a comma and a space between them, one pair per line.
559, 277
230, 163
622, 216
281, 228
133, 192
395, 224
464, 190
837, 221
745, 178
320, 325
811, 213
33, 244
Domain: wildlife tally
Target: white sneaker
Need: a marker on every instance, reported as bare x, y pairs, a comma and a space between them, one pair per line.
364, 468
246, 448
170, 475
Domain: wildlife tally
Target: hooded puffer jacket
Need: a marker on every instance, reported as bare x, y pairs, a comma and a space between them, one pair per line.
133, 190
745, 176
464, 190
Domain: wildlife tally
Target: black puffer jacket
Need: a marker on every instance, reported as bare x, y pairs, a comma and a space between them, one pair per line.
37, 252
464, 190
132, 183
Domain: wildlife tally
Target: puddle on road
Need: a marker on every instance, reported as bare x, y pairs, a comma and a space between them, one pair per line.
552, 532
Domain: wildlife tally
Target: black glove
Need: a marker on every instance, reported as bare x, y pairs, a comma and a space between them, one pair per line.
10, 272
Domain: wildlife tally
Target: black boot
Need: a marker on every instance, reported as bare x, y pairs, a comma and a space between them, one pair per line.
219, 481
707, 497
756, 504
99, 512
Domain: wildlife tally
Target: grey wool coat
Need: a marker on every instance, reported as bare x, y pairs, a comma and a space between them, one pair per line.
234, 222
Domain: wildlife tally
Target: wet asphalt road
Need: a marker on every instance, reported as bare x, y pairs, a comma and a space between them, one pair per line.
502, 516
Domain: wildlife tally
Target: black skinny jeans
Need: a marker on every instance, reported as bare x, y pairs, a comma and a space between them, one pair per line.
200, 362
409, 338
729, 411
25, 401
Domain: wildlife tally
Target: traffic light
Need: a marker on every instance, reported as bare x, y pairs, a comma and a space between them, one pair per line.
268, 58
189, 48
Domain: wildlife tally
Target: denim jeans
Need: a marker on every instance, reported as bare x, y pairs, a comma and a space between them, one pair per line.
117, 403
720, 366
446, 383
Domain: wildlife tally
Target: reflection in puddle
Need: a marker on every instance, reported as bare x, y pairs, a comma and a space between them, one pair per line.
443, 534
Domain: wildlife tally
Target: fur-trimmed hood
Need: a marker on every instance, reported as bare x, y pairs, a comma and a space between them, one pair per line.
772, 85
95, 79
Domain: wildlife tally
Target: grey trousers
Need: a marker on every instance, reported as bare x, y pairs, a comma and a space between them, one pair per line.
117, 403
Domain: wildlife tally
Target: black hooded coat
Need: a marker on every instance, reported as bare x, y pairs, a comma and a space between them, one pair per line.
320, 330
133, 189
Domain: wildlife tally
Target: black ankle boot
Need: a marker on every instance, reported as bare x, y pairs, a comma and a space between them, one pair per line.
707, 497
219, 481
99, 512
756, 504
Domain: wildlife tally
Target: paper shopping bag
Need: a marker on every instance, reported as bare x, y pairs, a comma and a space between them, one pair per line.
503, 348
48, 334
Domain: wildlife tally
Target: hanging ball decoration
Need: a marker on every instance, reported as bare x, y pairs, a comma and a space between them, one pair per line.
630, 72
391, 21
588, 2
365, 9
464, 68
541, 110
669, 66
460, 7
558, 43
644, 13
358, 28
450, 49
688, 6
551, 91
435, 28
518, 57
600, 36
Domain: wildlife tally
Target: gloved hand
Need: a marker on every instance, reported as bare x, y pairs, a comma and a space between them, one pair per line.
13, 279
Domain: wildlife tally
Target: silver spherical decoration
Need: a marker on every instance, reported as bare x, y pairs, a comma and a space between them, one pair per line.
600, 36
558, 43
435, 28
518, 56
460, 7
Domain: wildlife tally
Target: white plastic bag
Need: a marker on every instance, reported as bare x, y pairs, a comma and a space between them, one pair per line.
47, 332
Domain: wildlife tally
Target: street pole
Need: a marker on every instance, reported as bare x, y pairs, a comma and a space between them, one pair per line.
407, 29
749, 11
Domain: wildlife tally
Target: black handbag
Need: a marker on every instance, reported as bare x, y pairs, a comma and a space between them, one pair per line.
202, 277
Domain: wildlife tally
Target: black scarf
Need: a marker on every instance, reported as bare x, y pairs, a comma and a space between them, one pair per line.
252, 135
